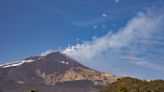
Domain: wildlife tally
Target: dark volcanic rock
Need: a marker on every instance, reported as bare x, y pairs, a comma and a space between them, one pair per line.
52, 69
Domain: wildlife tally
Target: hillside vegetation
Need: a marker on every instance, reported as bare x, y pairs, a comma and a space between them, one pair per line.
128, 84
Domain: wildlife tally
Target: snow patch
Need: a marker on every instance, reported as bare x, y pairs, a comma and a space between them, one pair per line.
63, 62
15, 63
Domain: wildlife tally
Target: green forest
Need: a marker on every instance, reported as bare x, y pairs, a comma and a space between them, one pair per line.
128, 84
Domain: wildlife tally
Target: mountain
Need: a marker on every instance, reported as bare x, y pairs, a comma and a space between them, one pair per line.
54, 70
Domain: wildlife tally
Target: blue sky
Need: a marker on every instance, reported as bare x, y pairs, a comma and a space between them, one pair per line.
123, 37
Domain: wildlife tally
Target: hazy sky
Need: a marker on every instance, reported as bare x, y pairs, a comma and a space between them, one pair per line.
122, 37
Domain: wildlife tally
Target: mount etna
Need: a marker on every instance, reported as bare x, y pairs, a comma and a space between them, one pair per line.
55, 72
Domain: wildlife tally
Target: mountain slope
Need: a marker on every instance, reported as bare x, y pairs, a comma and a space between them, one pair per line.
51, 69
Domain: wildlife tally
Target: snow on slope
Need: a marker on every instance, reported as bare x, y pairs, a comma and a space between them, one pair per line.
15, 63
63, 62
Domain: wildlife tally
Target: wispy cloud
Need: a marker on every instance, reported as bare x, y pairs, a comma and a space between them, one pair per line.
93, 21
47, 52
133, 33
47, 6
138, 38
144, 62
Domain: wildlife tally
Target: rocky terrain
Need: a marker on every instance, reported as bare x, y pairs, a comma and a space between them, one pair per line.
54, 71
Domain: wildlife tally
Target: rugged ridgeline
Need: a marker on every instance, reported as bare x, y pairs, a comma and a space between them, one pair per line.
54, 70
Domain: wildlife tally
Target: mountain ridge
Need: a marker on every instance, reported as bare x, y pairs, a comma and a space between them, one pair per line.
50, 69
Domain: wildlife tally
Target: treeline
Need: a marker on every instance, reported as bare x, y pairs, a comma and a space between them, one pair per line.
128, 84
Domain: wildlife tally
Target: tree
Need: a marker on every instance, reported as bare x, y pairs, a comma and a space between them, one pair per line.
128, 84
122, 89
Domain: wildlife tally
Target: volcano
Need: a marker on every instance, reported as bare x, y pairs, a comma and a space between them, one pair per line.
54, 71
